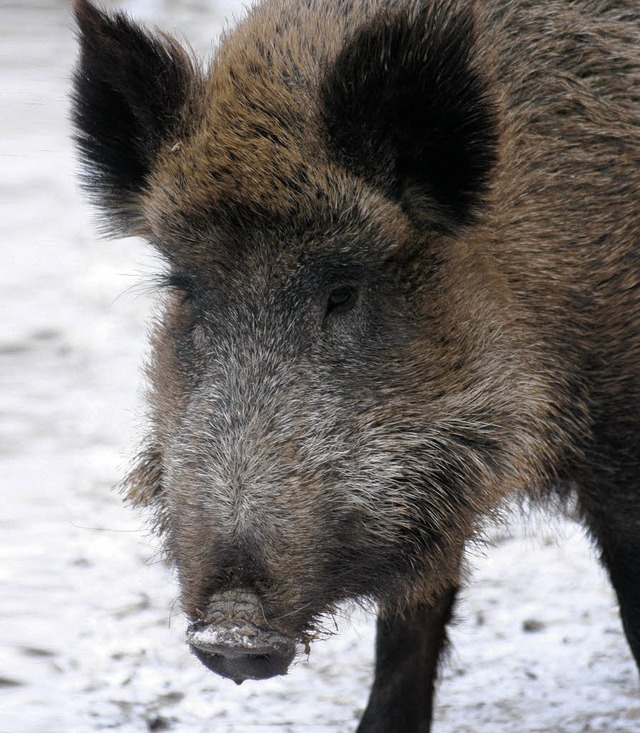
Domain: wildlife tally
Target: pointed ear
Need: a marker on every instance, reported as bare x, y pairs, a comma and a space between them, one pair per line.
405, 106
130, 92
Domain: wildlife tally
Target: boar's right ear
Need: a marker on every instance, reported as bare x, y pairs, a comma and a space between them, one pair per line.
405, 107
130, 88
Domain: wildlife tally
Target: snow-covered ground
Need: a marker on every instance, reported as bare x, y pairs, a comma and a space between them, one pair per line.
89, 639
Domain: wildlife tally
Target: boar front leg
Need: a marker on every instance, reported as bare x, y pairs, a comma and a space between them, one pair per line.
612, 511
622, 559
407, 651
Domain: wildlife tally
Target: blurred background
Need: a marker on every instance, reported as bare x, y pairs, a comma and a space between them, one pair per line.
90, 636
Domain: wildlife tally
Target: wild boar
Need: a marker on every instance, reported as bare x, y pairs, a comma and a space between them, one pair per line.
402, 289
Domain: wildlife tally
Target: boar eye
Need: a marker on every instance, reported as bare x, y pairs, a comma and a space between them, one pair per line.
181, 283
341, 299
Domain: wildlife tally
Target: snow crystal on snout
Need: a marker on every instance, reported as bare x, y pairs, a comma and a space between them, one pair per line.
241, 637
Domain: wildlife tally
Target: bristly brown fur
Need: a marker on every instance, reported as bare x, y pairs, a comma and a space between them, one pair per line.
403, 240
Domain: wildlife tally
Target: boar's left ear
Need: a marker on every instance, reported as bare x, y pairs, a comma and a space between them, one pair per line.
130, 89
405, 107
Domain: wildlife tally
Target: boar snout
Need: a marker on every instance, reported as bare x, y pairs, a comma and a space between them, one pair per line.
232, 643
242, 652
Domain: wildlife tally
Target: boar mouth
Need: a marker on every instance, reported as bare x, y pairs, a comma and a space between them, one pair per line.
241, 651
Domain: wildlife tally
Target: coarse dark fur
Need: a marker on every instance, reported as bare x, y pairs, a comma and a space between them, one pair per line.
404, 287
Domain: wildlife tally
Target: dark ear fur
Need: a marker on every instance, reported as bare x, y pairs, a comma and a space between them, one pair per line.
405, 107
130, 88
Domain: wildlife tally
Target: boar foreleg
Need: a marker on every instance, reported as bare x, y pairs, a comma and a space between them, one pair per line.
407, 651
612, 511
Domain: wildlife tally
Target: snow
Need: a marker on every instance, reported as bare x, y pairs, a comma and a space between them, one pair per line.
90, 639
